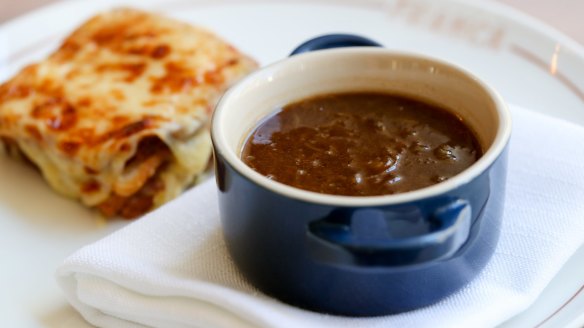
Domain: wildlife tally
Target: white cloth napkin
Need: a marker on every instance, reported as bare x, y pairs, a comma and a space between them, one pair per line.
171, 267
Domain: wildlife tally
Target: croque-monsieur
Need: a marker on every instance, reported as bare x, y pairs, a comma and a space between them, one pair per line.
117, 117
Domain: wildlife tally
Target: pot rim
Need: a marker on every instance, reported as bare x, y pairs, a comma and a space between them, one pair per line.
222, 148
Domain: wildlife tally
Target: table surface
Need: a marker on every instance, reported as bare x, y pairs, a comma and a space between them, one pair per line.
562, 14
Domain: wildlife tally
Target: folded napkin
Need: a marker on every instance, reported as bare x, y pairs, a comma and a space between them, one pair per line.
171, 267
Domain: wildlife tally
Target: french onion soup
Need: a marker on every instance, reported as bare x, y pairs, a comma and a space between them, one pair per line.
361, 144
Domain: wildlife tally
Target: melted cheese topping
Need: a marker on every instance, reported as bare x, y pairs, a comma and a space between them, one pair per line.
123, 76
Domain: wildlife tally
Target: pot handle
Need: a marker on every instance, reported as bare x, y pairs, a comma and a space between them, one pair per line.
329, 41
372, 237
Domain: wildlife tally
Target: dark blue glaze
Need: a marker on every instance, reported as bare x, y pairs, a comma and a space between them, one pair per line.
269, 237
360, 261
334, 41
373, 236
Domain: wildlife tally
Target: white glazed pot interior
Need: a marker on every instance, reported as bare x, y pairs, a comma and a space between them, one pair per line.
352, 70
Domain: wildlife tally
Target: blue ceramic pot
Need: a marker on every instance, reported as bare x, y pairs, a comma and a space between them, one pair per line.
360, 256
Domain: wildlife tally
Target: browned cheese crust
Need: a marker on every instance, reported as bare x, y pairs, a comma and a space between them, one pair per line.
117, 116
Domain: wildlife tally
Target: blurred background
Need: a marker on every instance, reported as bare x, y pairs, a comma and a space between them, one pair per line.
564, 15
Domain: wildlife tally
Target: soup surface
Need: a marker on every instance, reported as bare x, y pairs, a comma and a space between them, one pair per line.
361, 144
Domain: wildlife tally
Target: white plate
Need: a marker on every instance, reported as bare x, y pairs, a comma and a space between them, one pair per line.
530, 64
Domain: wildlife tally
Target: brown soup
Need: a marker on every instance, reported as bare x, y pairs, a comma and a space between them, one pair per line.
361, 144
